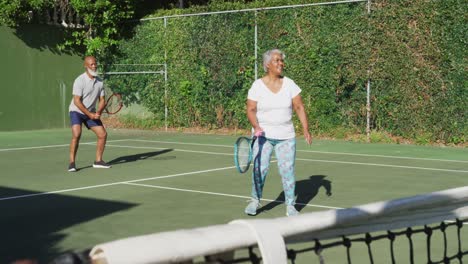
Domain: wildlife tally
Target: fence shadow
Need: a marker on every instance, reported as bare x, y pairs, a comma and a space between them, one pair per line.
32, 227
44, 37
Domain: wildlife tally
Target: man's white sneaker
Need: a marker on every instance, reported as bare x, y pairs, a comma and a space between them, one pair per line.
101, 164
71, 167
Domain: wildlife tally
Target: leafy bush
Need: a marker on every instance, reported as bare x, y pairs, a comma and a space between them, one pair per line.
413, 52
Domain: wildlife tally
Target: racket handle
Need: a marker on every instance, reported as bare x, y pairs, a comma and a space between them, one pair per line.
259, 134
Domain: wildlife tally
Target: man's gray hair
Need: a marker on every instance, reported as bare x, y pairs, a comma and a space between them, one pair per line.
267, 57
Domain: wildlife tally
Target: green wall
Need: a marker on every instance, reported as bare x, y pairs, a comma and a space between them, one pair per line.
36, 78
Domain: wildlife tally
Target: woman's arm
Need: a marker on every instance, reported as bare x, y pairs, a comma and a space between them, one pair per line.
300, 111
252, 115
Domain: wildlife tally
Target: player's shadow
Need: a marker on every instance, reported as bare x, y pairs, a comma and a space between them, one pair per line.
136, 157
140, 156
306, 190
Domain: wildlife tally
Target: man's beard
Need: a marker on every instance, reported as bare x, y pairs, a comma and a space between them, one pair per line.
92, 73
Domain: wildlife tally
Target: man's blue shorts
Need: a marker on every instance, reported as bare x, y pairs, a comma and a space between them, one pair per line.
79, 118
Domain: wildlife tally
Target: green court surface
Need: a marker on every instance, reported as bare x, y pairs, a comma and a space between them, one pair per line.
167, 181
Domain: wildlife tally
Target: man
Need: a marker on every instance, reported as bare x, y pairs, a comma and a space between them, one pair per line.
88, 89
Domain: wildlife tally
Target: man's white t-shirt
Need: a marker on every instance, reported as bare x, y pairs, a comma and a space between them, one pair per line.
274, 111
89, 89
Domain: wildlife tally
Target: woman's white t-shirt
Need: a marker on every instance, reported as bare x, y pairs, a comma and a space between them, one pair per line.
274, 111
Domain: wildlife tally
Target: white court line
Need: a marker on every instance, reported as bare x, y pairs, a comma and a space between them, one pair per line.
181, 150
233, 195
231, 154
56, 146
306, 151
313, 160
228, 146
381, 156
228, 154
132, 182
383, 165
183, 143
114, 183
223, 194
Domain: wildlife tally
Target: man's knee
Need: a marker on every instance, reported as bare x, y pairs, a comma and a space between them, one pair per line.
101, 134
76, 135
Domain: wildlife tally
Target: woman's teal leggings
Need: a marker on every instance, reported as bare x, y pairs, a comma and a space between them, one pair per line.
285, 152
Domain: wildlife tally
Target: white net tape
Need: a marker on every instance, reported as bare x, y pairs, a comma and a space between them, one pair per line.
270, 234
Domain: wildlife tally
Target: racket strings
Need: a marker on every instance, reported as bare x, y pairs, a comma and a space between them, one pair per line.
114, 103
243, 154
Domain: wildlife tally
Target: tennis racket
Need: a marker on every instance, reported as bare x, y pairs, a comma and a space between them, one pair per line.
113, 103
243, 153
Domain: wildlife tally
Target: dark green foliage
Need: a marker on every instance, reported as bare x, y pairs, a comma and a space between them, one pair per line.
414, 52
14, 12
101, 20
419, 68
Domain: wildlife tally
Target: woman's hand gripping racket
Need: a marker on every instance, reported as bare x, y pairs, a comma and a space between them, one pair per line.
243, 152
113, 103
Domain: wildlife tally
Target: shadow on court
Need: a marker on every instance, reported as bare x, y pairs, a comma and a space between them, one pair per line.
32, 227
306, 190
140, 156
137, 157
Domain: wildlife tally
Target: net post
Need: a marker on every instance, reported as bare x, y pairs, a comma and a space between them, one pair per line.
368, 106
165, 76
256, 45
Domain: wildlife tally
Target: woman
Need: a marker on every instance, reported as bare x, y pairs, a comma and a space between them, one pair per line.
270, 102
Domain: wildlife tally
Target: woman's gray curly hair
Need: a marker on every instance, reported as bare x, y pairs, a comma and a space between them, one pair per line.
267, 57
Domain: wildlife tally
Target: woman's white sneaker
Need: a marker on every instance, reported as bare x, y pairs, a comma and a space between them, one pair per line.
291, 210
252, 207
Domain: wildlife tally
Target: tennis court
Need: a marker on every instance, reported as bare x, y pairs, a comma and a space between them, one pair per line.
167, 181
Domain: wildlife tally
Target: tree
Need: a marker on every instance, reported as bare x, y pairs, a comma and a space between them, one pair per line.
92, 25
15, 12
102, 20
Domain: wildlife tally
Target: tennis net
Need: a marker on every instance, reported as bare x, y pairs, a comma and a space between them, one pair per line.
427, 228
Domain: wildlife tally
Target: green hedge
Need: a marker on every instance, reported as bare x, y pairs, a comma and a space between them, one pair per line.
413, 52
419, 69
